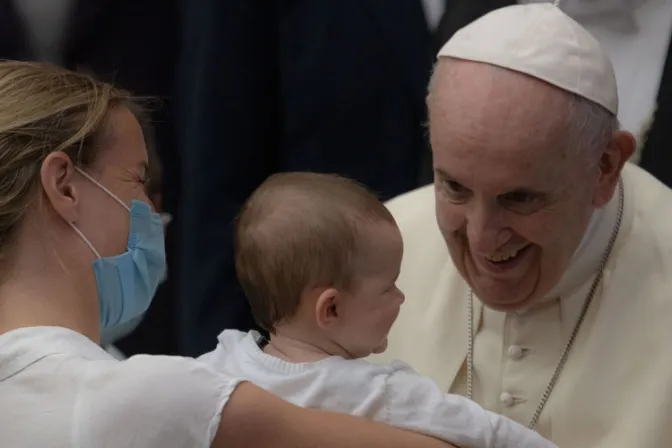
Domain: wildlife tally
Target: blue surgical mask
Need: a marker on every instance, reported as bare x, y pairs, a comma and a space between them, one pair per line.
127, 282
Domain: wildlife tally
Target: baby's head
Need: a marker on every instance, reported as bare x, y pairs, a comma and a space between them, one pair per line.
318, 256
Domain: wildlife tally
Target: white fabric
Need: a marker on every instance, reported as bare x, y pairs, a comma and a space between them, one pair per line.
615, 389
114, 352
636, 36
392, 394
434, 10
58, 389
46, 22
588, 256
543, 42
639, 59
588, 8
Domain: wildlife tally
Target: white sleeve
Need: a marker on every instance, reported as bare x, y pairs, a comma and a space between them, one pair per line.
416, 403
151, 402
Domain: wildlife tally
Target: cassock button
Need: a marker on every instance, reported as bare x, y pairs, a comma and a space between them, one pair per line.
515, 352
506, 399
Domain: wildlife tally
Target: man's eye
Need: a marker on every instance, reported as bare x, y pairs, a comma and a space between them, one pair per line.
454, 187
520, 197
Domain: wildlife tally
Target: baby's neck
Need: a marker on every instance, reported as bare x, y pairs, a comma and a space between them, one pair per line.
295, 349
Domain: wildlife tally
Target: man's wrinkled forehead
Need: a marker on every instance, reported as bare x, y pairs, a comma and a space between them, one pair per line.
487, 121
481, 97
498, 90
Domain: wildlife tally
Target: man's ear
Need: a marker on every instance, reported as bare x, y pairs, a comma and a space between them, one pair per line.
57, 175
618, 151
327, 307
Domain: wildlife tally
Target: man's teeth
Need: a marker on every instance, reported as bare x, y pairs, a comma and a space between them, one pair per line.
502, 257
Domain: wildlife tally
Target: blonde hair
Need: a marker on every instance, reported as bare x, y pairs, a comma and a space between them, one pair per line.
299, 231
44, 109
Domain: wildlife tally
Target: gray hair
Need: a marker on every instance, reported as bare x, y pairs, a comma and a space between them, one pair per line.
590, 127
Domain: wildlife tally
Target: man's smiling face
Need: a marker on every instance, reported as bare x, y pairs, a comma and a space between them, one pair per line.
512, 198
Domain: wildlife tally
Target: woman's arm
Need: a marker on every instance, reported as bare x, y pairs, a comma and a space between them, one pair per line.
254, 417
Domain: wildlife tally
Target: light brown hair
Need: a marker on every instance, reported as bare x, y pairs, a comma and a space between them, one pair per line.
44, 109
296, 232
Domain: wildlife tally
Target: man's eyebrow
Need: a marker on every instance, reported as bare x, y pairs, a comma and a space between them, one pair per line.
515, 190
536, 194
525, 190
445, 175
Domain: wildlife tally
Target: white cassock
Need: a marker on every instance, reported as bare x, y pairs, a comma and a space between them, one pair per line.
616, 388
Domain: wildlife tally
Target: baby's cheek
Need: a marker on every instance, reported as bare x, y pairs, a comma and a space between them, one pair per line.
385, 323
381, 347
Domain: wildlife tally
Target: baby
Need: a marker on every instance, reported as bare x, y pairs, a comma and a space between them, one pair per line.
318, 256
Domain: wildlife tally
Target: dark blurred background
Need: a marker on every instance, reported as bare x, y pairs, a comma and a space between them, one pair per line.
248, 88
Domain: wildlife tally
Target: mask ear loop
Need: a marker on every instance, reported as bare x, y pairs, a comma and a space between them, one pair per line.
112, 195
85, 239
102, 187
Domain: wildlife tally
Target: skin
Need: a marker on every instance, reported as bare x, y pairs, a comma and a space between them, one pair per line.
351, 324
51, 283
506, 179
287, 426
50, 259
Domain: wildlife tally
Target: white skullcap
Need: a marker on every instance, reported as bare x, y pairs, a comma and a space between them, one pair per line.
543, 42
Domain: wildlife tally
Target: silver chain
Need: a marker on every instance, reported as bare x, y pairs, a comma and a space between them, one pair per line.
575, 331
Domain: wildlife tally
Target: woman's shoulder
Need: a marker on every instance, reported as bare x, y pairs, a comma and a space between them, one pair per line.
92, 399
149, 372
153, 401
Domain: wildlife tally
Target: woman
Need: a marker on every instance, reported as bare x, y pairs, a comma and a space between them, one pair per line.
73, 166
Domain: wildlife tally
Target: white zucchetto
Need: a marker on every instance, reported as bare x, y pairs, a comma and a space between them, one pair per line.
541, 41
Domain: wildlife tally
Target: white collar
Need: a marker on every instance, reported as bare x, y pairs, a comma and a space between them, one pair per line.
586, 259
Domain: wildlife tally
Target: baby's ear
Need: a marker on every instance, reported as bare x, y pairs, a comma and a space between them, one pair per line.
327, 307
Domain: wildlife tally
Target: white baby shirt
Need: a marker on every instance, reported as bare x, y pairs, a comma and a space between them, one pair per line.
394, 394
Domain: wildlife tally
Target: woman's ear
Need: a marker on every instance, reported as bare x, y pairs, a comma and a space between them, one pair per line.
57, 176
327, 308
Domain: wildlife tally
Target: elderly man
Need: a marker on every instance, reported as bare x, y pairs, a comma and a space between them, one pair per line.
551, 304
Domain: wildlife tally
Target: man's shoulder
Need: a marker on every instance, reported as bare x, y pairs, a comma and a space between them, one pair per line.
647, 190
415, 214
648, 209
412, 208
643, 253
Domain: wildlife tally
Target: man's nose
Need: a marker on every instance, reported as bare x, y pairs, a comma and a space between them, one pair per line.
485, 229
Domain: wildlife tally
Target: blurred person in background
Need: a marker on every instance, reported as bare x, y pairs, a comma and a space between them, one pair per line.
267, 87
133, 44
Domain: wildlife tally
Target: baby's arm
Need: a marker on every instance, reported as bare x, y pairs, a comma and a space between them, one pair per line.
417, 403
